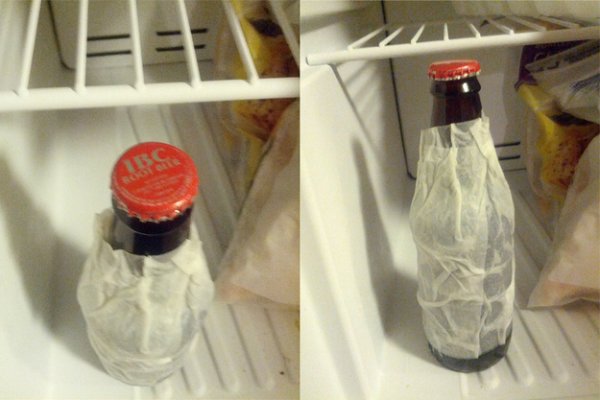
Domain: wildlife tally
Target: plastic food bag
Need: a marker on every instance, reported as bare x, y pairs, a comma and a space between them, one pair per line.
462, 219
261, 263
573, 78
553, 145
572, 271
142, 313
248, 124
553, 140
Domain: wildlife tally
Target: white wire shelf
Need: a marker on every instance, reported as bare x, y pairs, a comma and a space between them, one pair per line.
143, 94
21, 95
392, 41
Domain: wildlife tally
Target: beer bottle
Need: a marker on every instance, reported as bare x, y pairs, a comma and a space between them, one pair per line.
145, 286
462, 219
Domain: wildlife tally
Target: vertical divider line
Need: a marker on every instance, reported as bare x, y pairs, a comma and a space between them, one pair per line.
536, 346
392, 75
286, 361
32, 23
527, 23
503, 28
592, 320
188, 44
136, 45
244, 344
558, 21
286, 27
519, 369
240, 42
81, 47
391, 37
417, 35
366, 38
474, 30
587, 369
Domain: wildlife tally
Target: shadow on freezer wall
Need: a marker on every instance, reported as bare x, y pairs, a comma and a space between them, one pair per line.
392, 275
44, 258
395, 290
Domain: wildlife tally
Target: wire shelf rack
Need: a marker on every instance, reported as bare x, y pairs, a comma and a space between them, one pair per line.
20, 95
392, 41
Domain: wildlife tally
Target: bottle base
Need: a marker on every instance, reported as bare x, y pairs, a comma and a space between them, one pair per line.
484, 361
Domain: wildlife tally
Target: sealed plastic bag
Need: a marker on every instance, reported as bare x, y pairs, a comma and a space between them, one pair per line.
261, 263
572, 270
553, 140
554, 144
462, 219
248, 124
573, 78
143, 312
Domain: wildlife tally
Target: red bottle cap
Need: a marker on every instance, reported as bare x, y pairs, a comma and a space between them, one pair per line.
453, 69
154, 181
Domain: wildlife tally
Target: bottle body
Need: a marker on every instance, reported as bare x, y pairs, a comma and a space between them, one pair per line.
480, 363
462, 220
142, 312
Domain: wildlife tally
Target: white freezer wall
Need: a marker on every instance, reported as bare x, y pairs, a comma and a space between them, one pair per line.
28, 155
355, 197
50, 190
37, 235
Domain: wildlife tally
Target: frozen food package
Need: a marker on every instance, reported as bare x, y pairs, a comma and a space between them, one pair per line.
143, 312
553, 145
261, 263
538, 102
247, 124
552, 139
462, 219
572, 270
573, 78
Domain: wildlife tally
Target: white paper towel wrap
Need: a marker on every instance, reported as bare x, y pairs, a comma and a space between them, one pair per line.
462, 219
142, 312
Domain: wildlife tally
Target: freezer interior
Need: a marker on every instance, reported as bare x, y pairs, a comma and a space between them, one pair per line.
73, 98
365, 95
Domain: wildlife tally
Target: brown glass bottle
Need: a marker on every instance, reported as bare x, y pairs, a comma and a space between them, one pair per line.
148, 238
455, 89
455, 100
153, 189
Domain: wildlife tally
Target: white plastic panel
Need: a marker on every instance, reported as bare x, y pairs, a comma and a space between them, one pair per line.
351, 207
499, 99
140, 38
582, 10
106, 30
28, 170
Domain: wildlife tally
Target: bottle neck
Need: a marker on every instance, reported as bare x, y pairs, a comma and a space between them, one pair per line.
455, 101
148, 238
